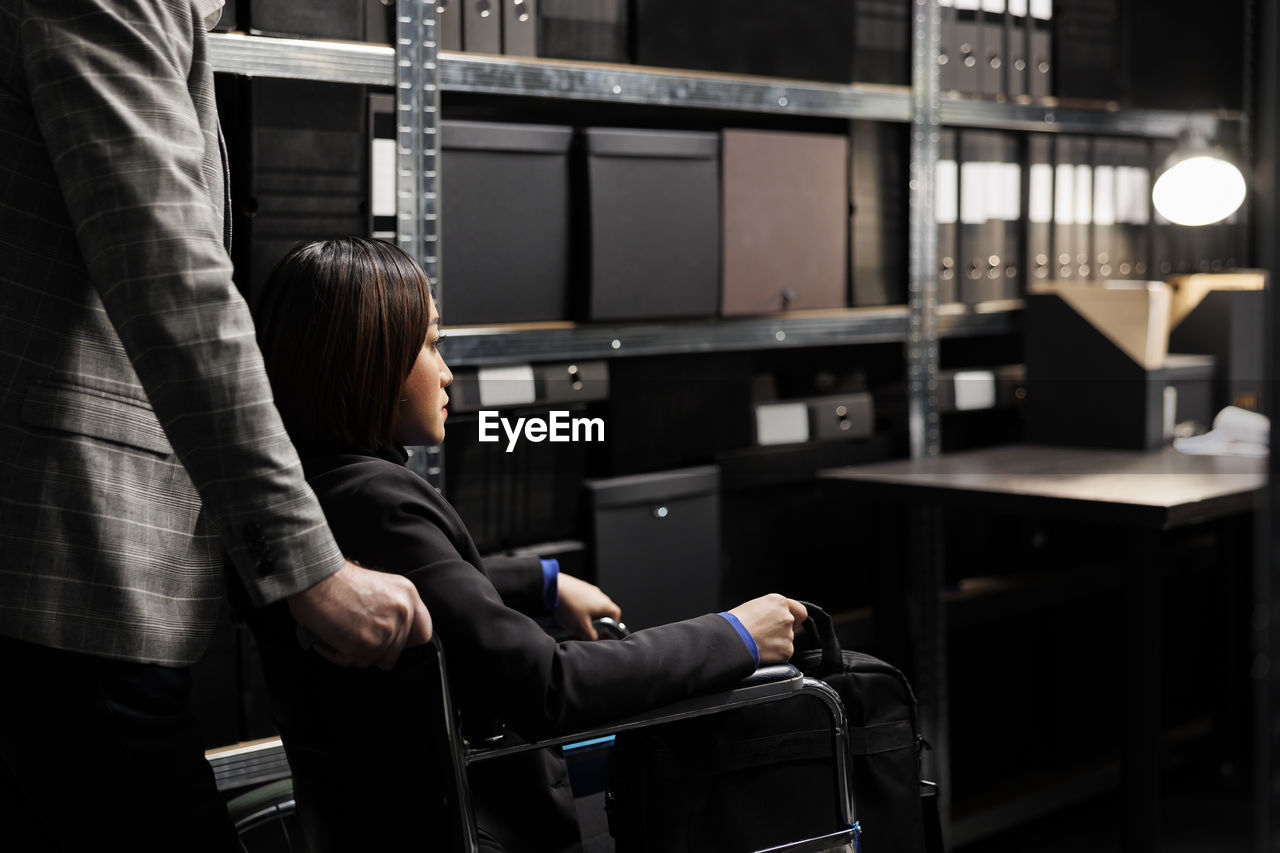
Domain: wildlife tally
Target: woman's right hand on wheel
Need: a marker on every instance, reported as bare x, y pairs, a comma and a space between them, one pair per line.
772, 620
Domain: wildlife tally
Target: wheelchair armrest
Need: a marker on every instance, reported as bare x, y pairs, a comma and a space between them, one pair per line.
768, 683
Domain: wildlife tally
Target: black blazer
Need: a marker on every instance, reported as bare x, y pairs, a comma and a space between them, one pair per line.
504, 669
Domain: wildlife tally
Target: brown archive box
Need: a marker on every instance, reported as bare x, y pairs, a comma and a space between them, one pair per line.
785, 221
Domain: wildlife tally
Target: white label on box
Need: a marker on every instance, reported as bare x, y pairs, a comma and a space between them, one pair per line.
510, 385
1104, 195
975, 389
1040, 193
1064, 187
972, 5
382, 177
1170, 420
993, 6
946, 192
782, 423
1042, 9
973, 207
1084, 195
944, 4
1018, 8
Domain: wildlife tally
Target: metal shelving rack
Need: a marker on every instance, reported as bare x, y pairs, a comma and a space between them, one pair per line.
418, 73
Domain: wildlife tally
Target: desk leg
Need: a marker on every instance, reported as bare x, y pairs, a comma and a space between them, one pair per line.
1142, 728
928, 628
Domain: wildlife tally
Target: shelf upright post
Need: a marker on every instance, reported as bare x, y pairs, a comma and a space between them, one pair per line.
922, 282
417, 164
926, 624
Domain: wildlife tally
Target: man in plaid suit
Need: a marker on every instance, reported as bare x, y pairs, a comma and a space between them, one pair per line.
138, 440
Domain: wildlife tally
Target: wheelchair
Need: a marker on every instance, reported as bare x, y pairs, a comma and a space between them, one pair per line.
265, 815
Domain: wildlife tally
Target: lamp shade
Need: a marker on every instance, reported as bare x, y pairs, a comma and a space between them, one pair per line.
1198, 186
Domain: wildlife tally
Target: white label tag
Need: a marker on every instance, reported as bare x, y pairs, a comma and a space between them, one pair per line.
782, 423
1084, 195
382, 177
973, 208
1104, 195
993, 6
510, 385
1064, 187
1042, 9
970, 5
975, 389
1018, 8
1040, 193
946, 199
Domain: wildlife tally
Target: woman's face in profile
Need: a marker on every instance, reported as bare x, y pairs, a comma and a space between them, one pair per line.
422, 398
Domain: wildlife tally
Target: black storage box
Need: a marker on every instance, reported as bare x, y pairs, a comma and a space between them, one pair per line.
299, 167
654, 202
504, 201
532, 494
657, 543
814, 40
1230, 326
592, 30
325, 19
1083, 390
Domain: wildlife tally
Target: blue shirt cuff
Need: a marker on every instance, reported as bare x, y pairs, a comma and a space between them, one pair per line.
551, 584
744, 634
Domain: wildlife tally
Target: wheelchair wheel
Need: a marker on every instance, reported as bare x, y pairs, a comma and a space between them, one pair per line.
266, 818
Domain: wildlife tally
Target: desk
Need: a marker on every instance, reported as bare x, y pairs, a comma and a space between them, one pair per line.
1150, 493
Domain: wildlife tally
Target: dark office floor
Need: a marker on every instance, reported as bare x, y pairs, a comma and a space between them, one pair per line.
1204, 810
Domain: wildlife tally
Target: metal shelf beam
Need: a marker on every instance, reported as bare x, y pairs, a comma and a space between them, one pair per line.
476, 345
303, 59
375, 65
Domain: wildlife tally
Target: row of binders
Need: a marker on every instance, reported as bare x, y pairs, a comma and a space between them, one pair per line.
1014, 210
996, 48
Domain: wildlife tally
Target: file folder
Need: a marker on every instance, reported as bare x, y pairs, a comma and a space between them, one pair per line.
591, 30
947, 215
991, 65
382, 167
948, 57
1040, 44
481, 26
973, 237
968, 45
520, 27
449, 24
877, 220
1017, 62
1088, 36
882, 29
1133, 208
1105, 226
1039, 262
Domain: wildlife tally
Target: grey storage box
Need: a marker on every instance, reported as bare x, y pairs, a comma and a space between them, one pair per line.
657, 543
593, 30
654, 234
504, 200
785, 214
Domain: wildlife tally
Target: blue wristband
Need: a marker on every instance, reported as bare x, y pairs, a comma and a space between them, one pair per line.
551, 584
744, 634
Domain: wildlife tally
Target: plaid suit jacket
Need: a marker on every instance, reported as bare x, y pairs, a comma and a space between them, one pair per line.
137, 432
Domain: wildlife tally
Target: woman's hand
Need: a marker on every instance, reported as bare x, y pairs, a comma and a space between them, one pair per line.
772, 621
581, 602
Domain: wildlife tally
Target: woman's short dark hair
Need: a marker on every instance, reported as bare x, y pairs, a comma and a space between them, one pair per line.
340, 323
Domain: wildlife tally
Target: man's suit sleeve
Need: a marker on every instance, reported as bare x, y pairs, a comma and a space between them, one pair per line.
520, 582
109, 89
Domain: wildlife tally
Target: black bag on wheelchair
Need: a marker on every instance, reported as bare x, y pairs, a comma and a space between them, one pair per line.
760, 776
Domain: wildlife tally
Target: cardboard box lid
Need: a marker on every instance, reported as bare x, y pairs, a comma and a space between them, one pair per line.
1133, 315
1187, 291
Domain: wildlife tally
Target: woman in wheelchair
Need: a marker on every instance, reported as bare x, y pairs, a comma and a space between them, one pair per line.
350, 336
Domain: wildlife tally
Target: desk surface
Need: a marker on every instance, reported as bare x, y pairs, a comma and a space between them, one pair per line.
1159, 489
